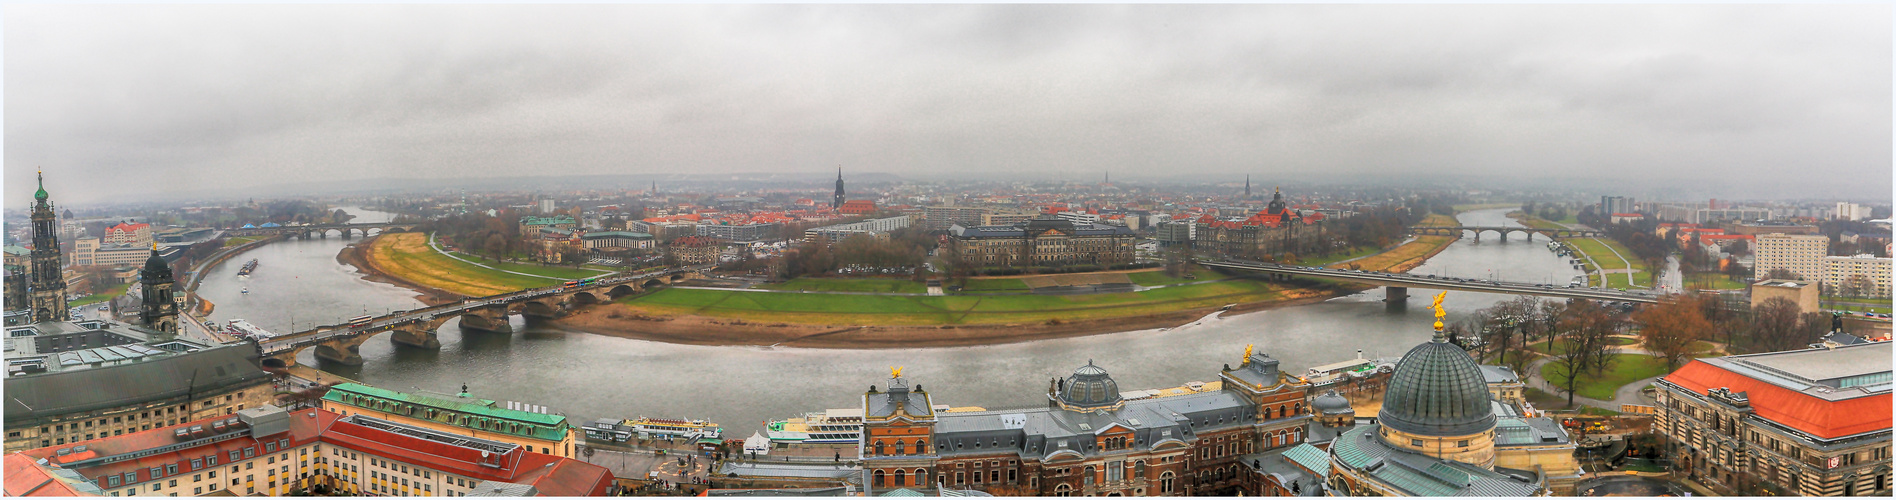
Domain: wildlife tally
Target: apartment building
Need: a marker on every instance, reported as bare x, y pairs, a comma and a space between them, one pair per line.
1800, 254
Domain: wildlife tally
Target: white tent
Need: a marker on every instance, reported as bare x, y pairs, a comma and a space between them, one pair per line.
757, 444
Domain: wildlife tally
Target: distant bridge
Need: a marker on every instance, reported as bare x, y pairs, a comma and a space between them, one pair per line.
416, 328
322, 230
1399, 283
1504, 230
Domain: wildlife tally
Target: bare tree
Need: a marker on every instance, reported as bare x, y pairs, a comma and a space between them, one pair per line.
1775, 326
1669, 328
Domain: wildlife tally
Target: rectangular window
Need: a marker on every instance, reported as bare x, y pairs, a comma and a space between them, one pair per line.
171, 469
157, 473
197, 463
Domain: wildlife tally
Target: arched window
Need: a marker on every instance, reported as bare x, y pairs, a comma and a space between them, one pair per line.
1062, 490
900, 448
1280, 411
901, 477
921, 447
878, 449
921, 477
1165, 482
1087, 476
878, 478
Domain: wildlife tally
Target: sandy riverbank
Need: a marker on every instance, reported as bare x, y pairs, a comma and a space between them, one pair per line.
618, 321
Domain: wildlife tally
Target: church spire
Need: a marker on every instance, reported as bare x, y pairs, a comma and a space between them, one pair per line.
1247, 186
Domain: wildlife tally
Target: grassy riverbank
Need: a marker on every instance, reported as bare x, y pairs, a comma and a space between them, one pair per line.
834, 309
407, 256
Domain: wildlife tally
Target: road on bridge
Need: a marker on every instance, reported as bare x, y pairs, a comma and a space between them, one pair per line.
1404, 280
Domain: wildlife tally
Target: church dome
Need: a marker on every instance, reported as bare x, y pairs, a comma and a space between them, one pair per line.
1331, 403
1437, 390
41, 194
155, 267
1089, 387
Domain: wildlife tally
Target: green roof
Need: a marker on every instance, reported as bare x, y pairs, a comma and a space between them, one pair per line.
544, 221
16, 250
543, 426
1310, 458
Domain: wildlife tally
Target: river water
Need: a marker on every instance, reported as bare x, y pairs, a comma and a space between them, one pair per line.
586, 376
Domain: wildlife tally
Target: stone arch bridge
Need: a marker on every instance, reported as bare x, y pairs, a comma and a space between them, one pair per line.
1503, 231
416, 328
322, 230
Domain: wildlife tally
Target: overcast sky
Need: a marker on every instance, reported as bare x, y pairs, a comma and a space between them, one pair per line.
114, 100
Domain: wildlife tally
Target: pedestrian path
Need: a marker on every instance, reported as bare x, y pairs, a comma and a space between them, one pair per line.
451, 255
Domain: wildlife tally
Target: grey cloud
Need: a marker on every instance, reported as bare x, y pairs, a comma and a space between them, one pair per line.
169, 97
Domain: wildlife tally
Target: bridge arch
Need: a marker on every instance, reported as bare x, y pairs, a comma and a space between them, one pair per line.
621, 291
539, 308
588, 297
654, 283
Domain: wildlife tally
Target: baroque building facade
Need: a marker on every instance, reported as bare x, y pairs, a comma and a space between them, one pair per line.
1044, 241
1274, 231
1089, 440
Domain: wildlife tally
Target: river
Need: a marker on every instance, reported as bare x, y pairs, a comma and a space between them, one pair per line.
586, 376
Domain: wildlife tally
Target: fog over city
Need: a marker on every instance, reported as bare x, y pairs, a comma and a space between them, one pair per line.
133, 100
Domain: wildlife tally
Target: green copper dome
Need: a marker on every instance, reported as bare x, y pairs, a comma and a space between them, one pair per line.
41, 194
1437, 391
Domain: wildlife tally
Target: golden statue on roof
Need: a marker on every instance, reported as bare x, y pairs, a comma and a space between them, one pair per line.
1247, 353
1439, 311
895, 372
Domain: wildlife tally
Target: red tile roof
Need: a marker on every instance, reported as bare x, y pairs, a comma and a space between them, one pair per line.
25, 478
1804, 412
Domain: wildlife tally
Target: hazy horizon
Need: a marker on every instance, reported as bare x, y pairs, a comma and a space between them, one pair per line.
1739, 101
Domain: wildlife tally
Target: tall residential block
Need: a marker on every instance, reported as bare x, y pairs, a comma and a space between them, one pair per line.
1802, 255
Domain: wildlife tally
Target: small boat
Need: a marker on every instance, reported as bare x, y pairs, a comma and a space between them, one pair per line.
248, 267
246, 290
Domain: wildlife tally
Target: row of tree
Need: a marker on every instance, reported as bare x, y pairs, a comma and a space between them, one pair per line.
1578, 333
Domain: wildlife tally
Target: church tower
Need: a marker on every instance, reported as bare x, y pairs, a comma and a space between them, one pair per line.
48, 286
160, 310
839, 190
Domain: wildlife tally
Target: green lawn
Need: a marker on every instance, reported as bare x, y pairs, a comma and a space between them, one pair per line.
1328, 259
996, 285
1483, 206
876, 285
1156, 278
563, 272
1713, 281
817, 308
101, 296
1558, 348
239, 240
1626, 369
1593, 247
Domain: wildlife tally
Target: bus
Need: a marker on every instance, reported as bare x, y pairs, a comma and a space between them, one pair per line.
361, 321
581, 282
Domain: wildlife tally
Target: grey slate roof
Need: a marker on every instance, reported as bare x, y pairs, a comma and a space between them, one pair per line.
1421, 475
60, 392
883, 404
1498, 374
1844, 372
1260, 369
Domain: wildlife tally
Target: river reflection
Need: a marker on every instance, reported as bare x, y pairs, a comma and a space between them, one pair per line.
588, 376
